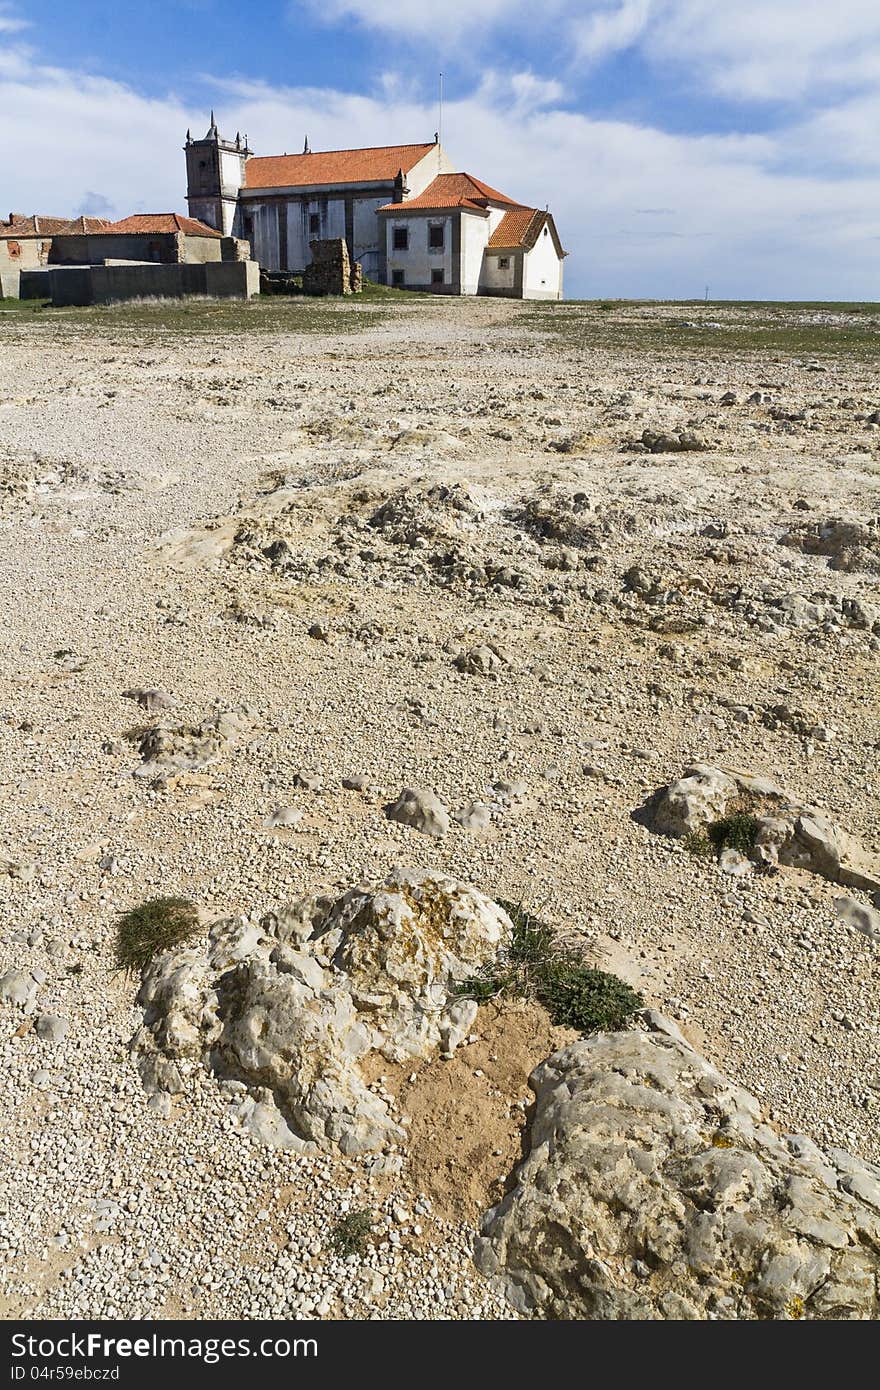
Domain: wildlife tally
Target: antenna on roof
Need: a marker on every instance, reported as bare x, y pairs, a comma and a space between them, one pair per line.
306, 149
439, 130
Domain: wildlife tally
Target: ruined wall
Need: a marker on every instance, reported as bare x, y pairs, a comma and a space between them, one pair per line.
25, 253
105, 284
160, 248
233, 248
331, 271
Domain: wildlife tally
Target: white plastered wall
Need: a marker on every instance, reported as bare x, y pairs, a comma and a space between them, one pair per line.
495, 276
542, 273
418, 260
435, 162
474, 235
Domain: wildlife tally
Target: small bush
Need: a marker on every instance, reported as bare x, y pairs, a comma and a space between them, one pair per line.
592, 1001
574, 995
349, 1235
153, 927
695, 842
737, 831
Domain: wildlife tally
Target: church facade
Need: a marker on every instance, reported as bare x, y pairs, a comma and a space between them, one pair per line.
404, 212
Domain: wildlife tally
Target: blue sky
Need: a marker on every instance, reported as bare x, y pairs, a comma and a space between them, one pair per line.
679, 143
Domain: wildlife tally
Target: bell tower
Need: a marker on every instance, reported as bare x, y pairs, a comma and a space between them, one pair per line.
214, 175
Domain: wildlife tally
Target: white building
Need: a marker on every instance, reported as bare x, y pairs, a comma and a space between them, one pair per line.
405, 214
462, 237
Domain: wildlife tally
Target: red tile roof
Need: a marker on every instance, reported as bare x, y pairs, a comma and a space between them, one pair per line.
21, 226
159, 223
514, 228
453, 191
520, 228
87, 224
379, 165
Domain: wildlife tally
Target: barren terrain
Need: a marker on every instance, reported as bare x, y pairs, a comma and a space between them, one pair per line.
541, 559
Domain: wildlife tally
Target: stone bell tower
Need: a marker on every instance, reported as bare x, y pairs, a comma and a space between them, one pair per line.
214, 175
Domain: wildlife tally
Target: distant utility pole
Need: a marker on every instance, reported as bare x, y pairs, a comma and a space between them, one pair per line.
706, 296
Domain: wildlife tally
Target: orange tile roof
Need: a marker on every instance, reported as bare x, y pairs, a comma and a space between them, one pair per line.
21, 227
158, 223
88, 224
378, 165
453, 191
514, 228
519, 230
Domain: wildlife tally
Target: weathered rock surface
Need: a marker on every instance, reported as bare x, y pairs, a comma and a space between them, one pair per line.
788, 831
857, 915
483, 660
293, 1006
849, 544
421, 810
17, 987
150, 698
652, 1189
50, 1028
168, 750
659, 442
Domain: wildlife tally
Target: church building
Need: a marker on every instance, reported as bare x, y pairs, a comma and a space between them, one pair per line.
404, 212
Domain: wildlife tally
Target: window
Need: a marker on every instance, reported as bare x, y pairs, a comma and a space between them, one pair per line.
435, 237
314, 223
401, 238
545, 231
503, 262
248, 225
397, 277
437, 277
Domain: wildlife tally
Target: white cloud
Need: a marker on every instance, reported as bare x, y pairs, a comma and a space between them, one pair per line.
753, 50
795, 213
10, 22
416, 18
771, 50
611, 29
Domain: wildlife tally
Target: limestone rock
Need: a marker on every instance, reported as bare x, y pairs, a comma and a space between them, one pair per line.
788, 831
150, 698
474, 817
168, 750
857, 915
694, 801
659, 442
652, 1189
421, 810
292, 1007
285, 815
483, 660
50, 1028
18, 987
849, 544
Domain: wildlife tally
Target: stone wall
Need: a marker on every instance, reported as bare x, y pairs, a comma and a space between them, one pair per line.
160, 248
105, 284
331, 271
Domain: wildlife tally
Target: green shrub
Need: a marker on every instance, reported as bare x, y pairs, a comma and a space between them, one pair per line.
696, 842
573, 994
349, 1235
737, 831
153, 927
592, 1001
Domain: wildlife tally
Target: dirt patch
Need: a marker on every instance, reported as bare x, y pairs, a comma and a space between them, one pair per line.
467, 1114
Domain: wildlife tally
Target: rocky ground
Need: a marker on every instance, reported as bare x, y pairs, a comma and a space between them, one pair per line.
263, 575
